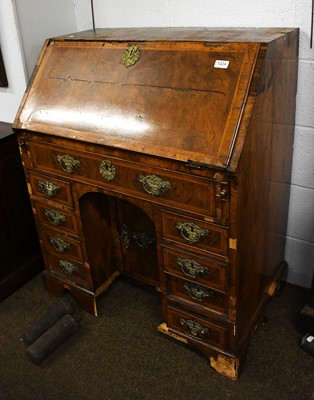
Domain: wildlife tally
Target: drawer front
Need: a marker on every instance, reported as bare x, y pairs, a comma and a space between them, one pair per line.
196, 234
158, 185
67, 268
198, 269
56, 217
51, 189
199, 295
197, 328
58, 244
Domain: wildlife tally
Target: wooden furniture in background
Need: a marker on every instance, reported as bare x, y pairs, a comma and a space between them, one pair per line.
165, 154
20, 255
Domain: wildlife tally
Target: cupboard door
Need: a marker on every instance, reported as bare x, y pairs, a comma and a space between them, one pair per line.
138, 242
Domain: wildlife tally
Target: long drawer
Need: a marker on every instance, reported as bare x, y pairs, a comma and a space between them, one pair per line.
162, 186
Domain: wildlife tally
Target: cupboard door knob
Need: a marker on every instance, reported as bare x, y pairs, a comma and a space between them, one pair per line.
67, 163
196, 329
60, 245
68, 268
192, 232
154, 185
107, 170
191, 268
199, 293
54, 217
49, 189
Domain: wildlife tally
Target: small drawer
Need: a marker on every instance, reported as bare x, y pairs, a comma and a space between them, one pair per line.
56, 217
197, 328
201, 270
70, 269
52, 189
196, 295
196, 234
61, 245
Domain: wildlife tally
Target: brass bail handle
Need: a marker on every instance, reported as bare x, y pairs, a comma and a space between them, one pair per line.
55, 218
195, 328
191, 268
68, 268
49, 189
192, 232
154, 185
68, 163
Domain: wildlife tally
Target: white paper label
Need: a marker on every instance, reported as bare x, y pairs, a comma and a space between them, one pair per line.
221, 64
310, 339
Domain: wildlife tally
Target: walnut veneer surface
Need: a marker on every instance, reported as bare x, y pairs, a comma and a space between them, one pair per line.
174, 170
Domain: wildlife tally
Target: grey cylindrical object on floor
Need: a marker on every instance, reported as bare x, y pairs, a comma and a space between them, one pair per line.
52, 338
35, 331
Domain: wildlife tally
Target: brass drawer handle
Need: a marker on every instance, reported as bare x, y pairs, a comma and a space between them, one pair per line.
199, 293
144, 240
191, 268
68, 268
55, 218
60, 245
107, 170
196, 329
154, 185
49, 189
67, 163
192, 232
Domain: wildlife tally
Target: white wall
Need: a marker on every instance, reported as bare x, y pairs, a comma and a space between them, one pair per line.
41, 19
12, 56
24, 25
239, 13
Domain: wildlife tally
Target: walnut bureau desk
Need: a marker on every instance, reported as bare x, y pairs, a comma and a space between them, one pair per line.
165, 154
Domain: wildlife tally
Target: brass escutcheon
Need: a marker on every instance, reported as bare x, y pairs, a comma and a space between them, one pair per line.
192, 232
107, 170
191, 268
49, 189
154, 185
68, 163
130, 56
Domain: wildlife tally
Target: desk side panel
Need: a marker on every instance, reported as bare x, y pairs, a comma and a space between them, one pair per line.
262, 182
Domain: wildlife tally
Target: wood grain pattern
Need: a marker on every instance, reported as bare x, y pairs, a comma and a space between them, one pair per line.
219, 140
